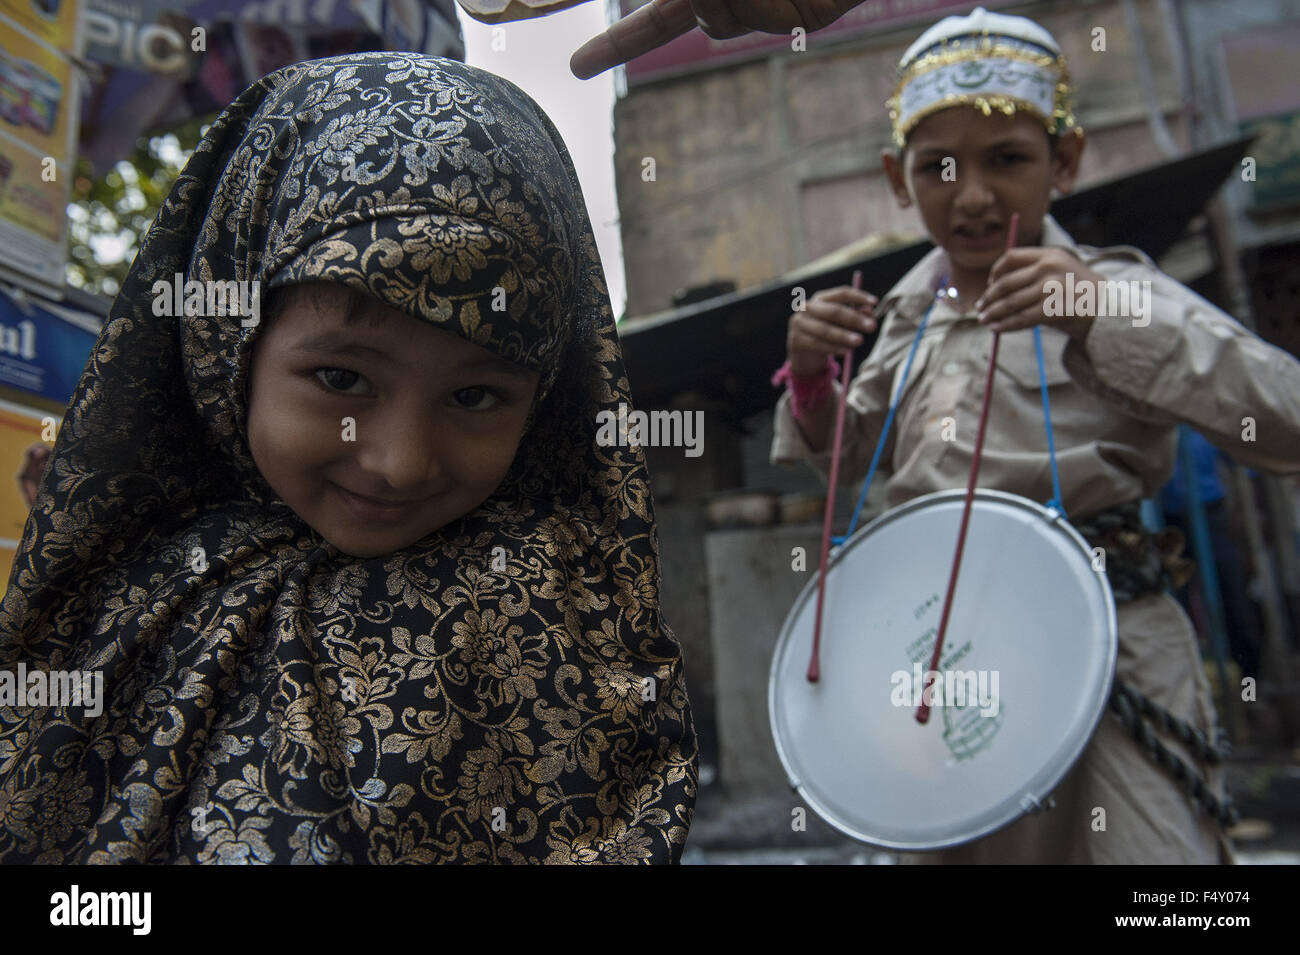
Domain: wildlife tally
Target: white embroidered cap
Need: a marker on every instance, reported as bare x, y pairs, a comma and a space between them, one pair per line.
986, 60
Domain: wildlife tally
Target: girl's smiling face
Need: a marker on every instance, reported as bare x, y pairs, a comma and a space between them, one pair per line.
376, 428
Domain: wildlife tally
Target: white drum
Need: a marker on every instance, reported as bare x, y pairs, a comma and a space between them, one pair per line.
1024, 678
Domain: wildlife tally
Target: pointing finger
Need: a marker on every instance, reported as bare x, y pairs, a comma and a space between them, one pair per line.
641, 31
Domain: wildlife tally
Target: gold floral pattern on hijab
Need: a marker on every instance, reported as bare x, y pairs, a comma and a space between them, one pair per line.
290, 703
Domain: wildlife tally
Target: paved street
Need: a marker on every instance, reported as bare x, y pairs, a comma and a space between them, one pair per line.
758, 831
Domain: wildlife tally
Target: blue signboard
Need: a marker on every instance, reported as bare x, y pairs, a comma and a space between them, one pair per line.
43, 346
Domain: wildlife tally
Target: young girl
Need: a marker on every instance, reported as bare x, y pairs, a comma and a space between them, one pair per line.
983, 121
361, 584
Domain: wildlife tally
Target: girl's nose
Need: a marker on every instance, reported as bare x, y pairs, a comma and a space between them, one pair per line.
405, 453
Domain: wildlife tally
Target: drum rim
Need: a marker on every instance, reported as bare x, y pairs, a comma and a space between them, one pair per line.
988, 495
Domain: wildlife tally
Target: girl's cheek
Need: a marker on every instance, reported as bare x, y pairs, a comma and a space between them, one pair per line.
495, 459
291, 431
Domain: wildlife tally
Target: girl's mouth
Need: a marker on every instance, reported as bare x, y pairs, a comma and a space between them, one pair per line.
368, 509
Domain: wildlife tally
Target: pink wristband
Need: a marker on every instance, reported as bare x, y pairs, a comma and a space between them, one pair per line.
806, 394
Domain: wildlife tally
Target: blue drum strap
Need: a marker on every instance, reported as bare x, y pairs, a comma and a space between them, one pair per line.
889, 418
1055, 503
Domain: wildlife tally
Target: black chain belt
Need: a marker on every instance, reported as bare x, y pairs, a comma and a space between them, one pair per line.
1140, 564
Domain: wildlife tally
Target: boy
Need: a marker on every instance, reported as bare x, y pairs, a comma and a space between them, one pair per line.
986, 97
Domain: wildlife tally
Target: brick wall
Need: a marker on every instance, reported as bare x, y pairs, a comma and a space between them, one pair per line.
763, 166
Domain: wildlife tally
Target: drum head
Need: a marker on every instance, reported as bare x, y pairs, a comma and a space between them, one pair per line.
1025, 674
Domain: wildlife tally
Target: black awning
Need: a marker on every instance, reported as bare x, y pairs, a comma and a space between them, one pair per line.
726, 348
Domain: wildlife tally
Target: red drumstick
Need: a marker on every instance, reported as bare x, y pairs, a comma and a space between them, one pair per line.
814, 664
923, 711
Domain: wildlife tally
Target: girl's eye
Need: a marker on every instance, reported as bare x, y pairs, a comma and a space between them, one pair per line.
1009, 158
339, 379
475, 399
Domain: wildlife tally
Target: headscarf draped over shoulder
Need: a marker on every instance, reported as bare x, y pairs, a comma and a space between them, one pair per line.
504, 690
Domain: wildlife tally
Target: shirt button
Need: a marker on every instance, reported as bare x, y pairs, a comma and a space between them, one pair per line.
951, 368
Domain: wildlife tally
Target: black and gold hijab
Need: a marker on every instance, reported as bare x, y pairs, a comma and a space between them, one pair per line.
504, 690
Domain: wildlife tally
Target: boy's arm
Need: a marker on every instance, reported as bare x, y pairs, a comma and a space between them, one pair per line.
864, 416
1187, 361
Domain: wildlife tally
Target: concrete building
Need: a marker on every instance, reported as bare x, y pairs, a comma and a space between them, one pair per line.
742, 160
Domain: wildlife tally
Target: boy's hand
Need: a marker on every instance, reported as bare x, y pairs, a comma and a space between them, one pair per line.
1017, 290
833, 322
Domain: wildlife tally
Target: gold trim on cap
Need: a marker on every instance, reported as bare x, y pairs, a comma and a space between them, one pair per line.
961, 49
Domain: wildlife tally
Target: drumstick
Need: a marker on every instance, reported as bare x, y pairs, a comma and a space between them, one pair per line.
814, 665
923, 711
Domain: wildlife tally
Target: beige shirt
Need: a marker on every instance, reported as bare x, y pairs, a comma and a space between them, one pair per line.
1115, 401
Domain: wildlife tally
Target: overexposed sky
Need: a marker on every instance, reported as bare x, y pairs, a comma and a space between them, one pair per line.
536, 59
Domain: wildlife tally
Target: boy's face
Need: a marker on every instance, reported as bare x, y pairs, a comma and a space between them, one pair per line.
437, 419
967, 173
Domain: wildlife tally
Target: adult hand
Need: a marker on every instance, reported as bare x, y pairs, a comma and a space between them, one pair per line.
35, 458
660, 21
1018, 291
833, 323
